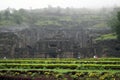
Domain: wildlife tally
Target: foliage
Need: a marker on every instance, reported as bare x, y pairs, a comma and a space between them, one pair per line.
53, 17
107, 37
38, 69
115, 23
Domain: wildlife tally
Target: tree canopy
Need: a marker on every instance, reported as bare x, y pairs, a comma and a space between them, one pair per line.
58, 17
115, 23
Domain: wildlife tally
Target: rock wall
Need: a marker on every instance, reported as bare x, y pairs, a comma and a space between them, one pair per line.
46, 42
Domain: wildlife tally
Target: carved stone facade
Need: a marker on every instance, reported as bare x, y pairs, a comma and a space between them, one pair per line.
46, 42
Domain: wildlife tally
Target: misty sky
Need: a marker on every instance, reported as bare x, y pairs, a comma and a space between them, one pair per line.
27, 4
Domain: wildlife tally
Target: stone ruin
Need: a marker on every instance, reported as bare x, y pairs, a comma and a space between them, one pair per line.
46, 42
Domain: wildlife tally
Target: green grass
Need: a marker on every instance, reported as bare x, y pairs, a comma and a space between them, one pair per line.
61, 70
107, 37
74, 68
78, 64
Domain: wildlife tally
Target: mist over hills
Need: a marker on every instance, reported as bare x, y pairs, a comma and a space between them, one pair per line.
42, 32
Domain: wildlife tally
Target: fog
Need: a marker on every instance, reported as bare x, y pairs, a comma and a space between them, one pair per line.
28, 4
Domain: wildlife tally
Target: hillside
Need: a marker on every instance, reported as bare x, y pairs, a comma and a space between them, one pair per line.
52, 32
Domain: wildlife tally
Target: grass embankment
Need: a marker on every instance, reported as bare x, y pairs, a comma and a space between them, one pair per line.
107, 37
61, 68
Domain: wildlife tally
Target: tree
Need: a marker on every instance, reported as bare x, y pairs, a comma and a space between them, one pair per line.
7, 14
17, 18
115, 24
117, 27
0, 16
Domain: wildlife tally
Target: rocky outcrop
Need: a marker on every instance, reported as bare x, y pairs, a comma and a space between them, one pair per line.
46, 42
108, 48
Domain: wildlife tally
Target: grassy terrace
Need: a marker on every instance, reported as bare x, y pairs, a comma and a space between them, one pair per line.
107, 37
69, 68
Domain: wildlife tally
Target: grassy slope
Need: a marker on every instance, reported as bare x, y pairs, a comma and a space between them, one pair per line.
106, 37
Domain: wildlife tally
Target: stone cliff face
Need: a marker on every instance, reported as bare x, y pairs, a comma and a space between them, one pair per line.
8, 41
108, 48
46, 42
